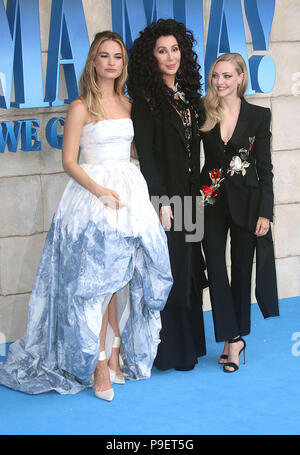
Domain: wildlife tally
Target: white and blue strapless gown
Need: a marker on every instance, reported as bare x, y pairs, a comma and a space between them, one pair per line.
92, 251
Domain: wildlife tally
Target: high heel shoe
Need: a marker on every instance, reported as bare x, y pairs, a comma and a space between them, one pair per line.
117, 378
232, 364
106, 395
223, 357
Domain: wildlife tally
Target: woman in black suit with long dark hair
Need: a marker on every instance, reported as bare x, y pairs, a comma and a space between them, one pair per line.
237, 187
164, 84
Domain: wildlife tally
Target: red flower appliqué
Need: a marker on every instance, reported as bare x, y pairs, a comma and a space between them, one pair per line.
215, 174
207, 190
215, 193
210, 193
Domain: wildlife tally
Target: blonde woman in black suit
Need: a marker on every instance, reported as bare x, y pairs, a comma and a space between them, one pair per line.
237, 187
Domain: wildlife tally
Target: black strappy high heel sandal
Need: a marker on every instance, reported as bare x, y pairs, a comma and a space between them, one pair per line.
232, 364
223, 357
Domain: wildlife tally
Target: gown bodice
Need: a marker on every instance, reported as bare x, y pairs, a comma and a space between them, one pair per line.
106, 140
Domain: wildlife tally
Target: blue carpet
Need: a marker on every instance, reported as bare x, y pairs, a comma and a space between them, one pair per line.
262, 398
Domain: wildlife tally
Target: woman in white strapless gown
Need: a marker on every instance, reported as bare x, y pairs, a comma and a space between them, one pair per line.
94, 252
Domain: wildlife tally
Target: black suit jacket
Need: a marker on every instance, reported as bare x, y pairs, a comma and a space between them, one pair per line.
251, 195
169, 170
163, 157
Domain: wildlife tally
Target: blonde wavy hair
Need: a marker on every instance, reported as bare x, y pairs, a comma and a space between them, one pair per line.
90, 90
212, 102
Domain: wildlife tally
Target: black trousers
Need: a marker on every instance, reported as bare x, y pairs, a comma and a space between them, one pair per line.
230, 302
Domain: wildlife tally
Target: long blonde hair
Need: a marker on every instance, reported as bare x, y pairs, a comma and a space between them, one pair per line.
90, 90
212, 102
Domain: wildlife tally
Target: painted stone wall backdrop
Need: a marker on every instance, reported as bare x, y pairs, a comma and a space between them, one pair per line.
31, 183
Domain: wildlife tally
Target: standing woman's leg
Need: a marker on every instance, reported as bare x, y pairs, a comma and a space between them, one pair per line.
242, 251
114, 363
214, 243
101, 374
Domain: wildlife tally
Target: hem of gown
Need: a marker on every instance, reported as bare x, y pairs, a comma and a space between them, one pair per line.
73, 383
59, 354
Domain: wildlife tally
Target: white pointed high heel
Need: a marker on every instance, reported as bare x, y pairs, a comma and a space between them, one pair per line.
106, 395
117, 378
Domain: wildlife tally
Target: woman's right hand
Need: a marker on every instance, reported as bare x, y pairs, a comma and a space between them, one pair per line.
165, 216
109, 198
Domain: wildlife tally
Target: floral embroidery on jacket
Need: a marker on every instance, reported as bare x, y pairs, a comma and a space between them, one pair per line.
210, 193
239, 163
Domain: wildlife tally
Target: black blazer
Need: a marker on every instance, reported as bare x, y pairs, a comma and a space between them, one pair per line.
169, 170
161, 147
251, 195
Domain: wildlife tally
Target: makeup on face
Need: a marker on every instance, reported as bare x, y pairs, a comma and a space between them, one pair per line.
167, 54
225, 79
109, 61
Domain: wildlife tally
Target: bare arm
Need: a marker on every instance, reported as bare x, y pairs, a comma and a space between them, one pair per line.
133, 152
77, 117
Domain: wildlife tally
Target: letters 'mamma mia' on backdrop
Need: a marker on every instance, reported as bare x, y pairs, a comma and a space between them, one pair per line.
20, 49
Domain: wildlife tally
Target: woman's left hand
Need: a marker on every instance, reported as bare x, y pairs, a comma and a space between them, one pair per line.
165, 216
262, 226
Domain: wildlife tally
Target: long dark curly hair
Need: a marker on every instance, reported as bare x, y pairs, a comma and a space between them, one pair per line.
144, 77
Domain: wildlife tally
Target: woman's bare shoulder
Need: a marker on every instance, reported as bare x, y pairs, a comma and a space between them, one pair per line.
127, 103
78, 105
79, 110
